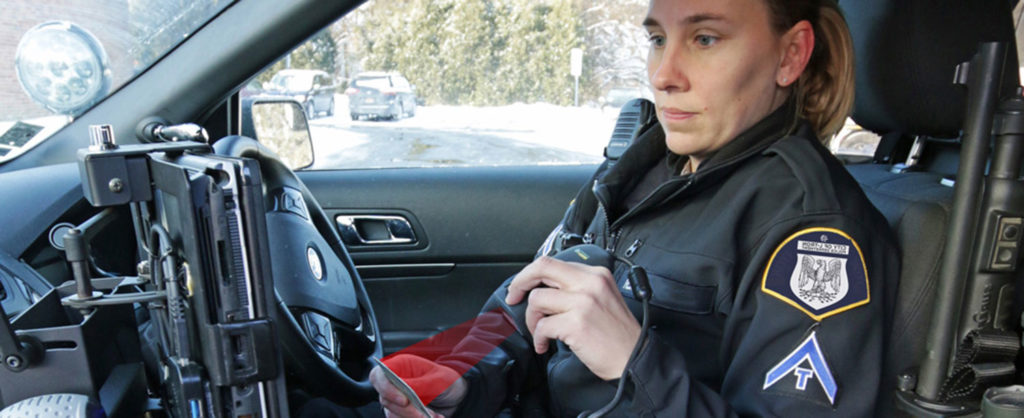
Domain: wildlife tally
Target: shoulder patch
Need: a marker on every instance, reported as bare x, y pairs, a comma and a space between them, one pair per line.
819, 271
804, 365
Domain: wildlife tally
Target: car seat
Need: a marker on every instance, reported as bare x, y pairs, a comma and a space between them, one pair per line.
906, 55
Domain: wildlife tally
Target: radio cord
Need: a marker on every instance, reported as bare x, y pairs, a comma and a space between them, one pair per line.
641, 291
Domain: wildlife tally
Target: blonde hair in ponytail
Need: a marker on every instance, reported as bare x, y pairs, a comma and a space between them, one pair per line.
825, 90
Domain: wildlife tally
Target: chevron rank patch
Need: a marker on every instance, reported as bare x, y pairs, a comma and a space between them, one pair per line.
819, 271
803, 373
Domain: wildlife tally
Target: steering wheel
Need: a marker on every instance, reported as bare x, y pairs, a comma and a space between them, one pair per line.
328, 330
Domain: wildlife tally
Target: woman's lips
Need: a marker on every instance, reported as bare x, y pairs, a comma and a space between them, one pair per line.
676, 115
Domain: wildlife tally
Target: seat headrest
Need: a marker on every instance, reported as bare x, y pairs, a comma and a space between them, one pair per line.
906, 55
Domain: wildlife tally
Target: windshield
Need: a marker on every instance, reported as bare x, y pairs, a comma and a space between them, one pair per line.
292, 82
64, 57
378, 83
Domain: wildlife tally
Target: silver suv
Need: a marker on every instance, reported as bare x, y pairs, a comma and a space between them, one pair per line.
313, 88
380, 95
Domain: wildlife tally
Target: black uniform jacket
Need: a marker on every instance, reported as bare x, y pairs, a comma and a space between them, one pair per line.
772, 275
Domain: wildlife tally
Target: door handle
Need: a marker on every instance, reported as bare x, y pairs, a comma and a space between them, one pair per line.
375, 230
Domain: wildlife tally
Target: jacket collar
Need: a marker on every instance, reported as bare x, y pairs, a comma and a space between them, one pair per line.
649, 149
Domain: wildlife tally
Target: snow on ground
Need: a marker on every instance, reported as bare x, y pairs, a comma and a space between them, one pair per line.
456, 135
579, 129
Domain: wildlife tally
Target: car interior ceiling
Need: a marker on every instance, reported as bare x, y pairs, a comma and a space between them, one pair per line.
907, 53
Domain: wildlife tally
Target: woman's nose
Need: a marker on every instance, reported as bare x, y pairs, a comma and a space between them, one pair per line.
669, 74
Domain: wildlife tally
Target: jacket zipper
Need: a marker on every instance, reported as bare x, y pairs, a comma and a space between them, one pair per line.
612, 232
610, 245
609, 241
633, 247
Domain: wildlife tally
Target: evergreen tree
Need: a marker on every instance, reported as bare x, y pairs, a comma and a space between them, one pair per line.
616, 52
318, 53
493, 52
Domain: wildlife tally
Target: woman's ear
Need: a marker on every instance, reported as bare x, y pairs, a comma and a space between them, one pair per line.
797, 46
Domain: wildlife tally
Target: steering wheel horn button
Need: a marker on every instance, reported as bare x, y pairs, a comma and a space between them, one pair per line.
318, 329
315, 263
290, 200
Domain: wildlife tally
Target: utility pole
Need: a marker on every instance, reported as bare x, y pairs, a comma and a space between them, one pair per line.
576, 68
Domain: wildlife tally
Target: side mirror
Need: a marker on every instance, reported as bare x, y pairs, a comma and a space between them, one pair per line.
280, 125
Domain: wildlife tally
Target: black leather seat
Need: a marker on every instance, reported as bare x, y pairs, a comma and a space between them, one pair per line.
918, 208
907, 51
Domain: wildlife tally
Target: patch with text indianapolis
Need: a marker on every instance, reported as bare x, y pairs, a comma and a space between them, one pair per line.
797, 373
819, 271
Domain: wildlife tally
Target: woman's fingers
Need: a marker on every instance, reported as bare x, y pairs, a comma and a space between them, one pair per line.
550, 328
554, 273
386, 390
407, 411
543, 302
546, 305
582, 307
544, 270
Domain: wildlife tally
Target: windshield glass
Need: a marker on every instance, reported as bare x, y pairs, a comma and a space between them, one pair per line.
292, 82
61, 58
378, 83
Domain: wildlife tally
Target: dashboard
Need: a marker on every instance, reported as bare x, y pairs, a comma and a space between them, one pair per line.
38, 206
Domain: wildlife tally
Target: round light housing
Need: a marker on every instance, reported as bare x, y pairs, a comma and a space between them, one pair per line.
62, 67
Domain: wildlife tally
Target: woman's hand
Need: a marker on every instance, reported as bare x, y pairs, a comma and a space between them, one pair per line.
439, 385
581, 306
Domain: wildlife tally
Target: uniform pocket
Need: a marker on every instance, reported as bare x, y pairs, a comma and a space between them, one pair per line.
680, 282
682, 297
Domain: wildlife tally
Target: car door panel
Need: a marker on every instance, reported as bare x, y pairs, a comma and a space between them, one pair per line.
474, 227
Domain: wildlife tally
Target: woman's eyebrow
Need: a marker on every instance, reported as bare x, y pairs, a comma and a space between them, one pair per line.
689, 20
649, 22
702, 17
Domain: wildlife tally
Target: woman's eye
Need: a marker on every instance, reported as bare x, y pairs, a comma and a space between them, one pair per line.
656, 41
706, 40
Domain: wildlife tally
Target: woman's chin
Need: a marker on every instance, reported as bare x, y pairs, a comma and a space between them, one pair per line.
684, 143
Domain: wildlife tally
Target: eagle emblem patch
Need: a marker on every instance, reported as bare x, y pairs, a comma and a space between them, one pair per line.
819, 271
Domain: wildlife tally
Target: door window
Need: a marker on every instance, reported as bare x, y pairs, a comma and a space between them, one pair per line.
493, 82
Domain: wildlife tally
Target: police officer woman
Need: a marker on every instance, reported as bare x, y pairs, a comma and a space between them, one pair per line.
772, 275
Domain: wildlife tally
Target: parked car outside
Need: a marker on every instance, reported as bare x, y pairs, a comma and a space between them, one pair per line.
618, 96
250, 89
313, 88
381, 95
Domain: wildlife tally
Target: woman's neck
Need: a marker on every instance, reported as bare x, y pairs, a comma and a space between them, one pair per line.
691, 165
